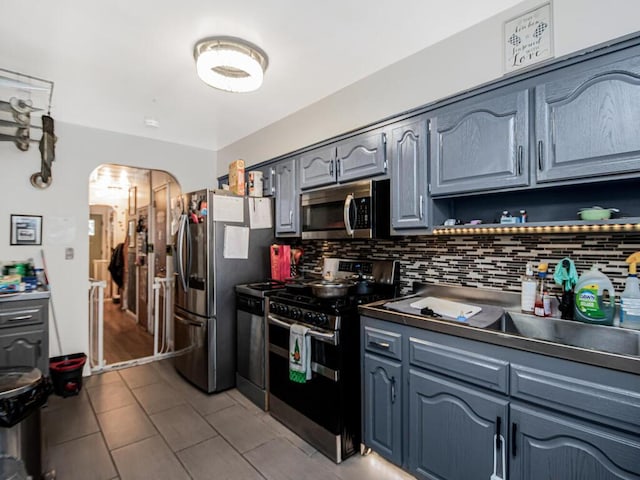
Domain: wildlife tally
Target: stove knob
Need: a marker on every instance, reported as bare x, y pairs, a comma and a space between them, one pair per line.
273, 307
308, 317
284, 310
296, 313
323, 320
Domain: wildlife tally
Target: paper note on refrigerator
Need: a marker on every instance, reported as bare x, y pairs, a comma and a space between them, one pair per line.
260, 213
227, 208
236, 242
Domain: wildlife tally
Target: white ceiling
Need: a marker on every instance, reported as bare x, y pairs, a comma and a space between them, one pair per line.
116, 62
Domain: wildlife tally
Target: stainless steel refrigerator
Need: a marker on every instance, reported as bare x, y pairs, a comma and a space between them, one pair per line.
204, 313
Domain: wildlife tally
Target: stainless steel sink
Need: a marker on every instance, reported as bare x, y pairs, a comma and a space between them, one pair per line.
577, 334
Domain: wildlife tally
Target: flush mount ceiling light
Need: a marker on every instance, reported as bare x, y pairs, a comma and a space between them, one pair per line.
230, 64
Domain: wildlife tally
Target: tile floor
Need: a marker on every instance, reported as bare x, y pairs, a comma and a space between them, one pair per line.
147, 422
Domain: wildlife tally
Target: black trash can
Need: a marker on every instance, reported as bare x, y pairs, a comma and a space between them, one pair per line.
66, 373
23, 390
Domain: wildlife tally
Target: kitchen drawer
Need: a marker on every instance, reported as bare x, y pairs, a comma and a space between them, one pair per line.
469, 367
582, 397
383, 342
23, 313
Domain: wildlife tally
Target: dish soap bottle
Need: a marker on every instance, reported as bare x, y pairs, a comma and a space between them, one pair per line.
528, 290
630, 298
539, 307
590, 306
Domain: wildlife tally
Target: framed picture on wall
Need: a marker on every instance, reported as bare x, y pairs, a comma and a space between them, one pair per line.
132, 200
26, 230
528, 38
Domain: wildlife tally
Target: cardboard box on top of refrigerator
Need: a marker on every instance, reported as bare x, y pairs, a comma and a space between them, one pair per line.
280, 262
236, 177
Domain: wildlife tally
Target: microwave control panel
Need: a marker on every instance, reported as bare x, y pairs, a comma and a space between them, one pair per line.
363, 213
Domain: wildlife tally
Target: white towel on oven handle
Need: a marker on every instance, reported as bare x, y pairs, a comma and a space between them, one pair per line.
300, 334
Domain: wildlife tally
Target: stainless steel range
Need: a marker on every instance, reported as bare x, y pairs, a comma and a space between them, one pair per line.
325, 411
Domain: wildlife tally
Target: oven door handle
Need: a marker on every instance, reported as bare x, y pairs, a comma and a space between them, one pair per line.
331, 338
330, 373
347, 214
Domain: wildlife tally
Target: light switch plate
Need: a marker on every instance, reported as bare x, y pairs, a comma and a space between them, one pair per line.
68, 253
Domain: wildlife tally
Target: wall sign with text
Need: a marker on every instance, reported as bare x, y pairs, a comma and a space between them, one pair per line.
528, 38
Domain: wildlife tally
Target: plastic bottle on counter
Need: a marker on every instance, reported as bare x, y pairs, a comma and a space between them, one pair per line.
630, 297
539, 307
590, 306
528, 290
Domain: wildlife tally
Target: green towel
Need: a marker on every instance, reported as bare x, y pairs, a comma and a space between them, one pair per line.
567, 278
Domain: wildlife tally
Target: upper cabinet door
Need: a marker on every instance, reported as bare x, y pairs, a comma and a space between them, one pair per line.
588, 122
408, 155
362, 156
318, 167
480, 144
287, 199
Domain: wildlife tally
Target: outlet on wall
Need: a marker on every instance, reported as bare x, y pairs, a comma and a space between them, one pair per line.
68, 253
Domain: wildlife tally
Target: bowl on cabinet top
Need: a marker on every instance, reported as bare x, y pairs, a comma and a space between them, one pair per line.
596, 213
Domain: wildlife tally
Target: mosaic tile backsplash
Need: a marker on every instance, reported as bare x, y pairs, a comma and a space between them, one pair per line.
496, 262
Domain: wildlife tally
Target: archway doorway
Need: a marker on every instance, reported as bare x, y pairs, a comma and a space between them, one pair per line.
130, 226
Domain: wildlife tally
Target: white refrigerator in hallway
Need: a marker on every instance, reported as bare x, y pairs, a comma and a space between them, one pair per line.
215, 249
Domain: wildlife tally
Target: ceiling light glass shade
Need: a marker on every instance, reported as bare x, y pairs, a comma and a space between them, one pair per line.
230, 64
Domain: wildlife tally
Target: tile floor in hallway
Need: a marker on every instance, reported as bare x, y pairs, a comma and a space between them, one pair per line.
147, 422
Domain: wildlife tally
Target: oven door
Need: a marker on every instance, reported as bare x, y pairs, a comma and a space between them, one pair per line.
319, 398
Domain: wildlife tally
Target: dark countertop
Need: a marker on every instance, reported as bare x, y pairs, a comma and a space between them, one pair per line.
37, 294
625, 363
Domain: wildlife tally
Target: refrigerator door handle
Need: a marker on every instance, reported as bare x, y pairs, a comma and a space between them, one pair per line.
180, 251
187, 274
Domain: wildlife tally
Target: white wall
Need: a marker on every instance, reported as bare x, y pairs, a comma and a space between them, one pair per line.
458, 63
79, 150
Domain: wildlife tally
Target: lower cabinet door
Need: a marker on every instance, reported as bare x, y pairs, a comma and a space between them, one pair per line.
22, 349
383, 407
453, 428
546, 445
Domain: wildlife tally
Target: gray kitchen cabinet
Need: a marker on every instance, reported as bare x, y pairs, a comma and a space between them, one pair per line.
357, 157
559, 419
550, 445
287, 204
453, 429
24, 334
409, 183
382, 427
318, 167
23, 349
362, 156
480, 144
588, 121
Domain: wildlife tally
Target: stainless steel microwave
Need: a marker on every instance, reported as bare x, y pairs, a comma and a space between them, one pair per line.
352, 210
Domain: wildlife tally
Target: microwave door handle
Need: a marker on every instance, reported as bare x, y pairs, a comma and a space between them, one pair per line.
347, 217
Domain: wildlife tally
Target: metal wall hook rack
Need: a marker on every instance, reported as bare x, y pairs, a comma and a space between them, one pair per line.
21, 96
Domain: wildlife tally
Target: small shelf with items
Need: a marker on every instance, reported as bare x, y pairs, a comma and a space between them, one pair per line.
548, 210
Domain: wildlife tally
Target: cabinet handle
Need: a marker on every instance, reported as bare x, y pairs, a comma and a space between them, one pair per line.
498, 430
393, 389
380, 345
540, 154
39, 348
421, 206
331, 168
520, 151
273, 181
22, 317
291, 217
514, 431
338, 167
